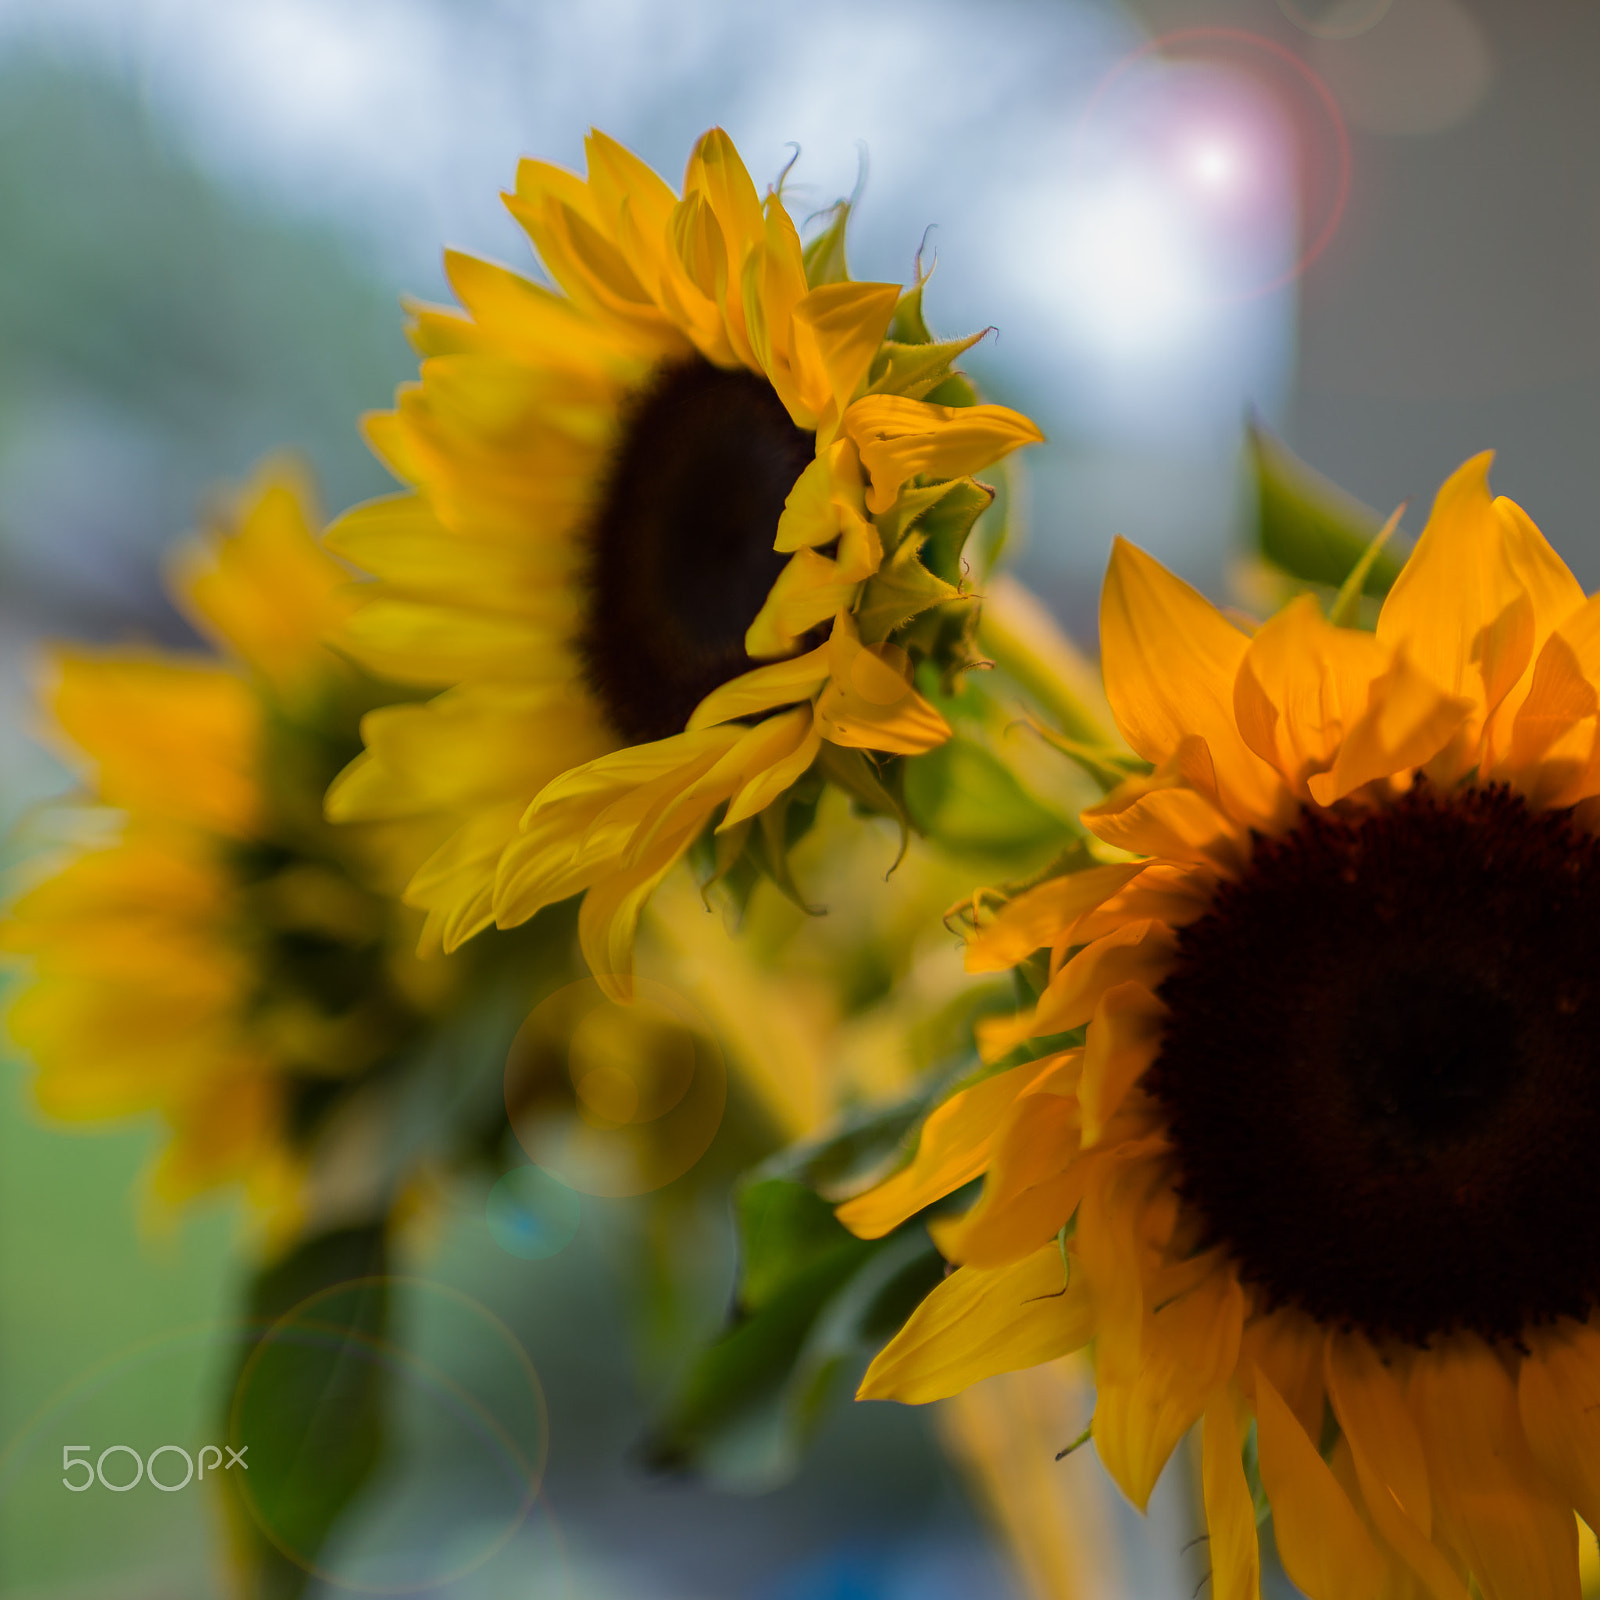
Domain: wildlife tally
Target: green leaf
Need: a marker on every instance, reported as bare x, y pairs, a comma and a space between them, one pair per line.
824, 255
966, 799
308, 1403
1308, 527
784, 1227
778, 829
1346, 608
814, 1301
901, 589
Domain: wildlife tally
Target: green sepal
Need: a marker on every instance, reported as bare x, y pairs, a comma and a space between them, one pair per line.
1345, 612
854, 772
902, 588
907, 325
824, 256
966, 799
309, 1402
1308, 527
914, 370
955, 390
948, 523
1106, 764
779, 828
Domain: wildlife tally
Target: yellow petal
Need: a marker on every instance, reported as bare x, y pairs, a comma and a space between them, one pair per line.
1137, 953
172, 737
780, 684
1033, 919
1189, 1349
952, 1149
1124, 1037
901, 439
1408, 720
869, 703
766, 786
977, 1323
609, 917
1032, 1187
1491, 1504
1389, 1462
1324, 1547
1558, 1396
1459, 607
1158, 815
1286, 1345
263, 590
808, 591
1170, 660
1233, 1547
837, 330
1301, 684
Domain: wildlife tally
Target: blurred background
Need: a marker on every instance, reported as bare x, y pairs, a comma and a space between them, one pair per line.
1375, 224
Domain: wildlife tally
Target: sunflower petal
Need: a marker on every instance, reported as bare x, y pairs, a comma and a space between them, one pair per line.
1170, 660
1408, 721
1491, 1503
1124, 1038
1325, 1549
1460, 608
1234, 1547
900, 439
1558, 1397
1389, 1462
1188, 1350
952, 1149
978, 1323
1033, 919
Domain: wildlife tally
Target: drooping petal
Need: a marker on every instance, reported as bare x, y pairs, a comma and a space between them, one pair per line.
952, 1149
1135, 953
1558, 1397
978, 1323
1324, 1547
1389, 1462
900, 439
1491, 1503
1189, 1348
1233, 1547
1033, 919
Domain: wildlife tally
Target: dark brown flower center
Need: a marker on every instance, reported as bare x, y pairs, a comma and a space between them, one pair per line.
1381, 1066
681, 558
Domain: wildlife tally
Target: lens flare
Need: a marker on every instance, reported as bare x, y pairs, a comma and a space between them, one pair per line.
615, 1100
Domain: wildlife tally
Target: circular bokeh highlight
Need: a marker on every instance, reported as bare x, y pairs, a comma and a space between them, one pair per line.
615, 1100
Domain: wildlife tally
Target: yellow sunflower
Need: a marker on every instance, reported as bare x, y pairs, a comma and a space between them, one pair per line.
667, 524
1318, 1171
211, 948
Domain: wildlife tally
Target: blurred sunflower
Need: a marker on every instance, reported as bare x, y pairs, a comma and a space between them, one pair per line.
212, 948
669, 525
1319, 1170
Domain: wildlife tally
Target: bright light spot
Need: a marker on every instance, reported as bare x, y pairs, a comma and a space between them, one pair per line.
1215, 164
1130, 267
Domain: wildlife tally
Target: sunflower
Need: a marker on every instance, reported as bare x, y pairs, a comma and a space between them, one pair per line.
1299, 1134
667, 526
210, 947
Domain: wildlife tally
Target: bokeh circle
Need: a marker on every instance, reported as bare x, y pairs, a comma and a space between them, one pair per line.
615, 1100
